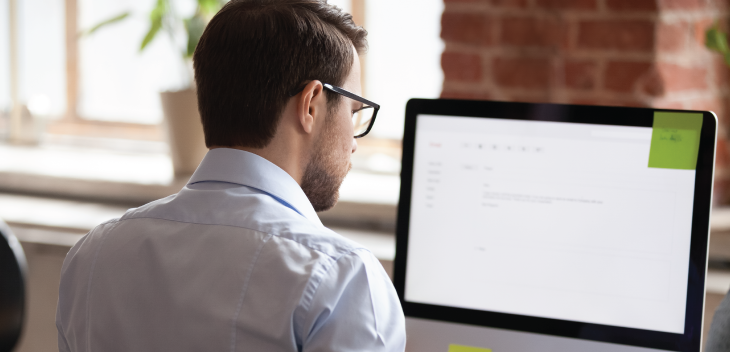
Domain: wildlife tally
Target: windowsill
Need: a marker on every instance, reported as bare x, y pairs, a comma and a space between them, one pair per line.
135, 173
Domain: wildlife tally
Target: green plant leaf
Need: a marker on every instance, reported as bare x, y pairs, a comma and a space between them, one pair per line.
156, 16
154, 28
105, 23
194, 26
716, 40
209, 7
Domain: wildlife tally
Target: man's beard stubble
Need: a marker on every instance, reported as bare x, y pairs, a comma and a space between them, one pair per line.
324, 173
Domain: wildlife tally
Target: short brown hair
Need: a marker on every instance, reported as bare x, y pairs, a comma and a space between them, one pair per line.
254, 53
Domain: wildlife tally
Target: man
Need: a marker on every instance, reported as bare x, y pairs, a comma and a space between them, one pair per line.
718, 337
238, 260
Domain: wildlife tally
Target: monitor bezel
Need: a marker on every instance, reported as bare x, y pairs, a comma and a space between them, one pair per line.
601, 115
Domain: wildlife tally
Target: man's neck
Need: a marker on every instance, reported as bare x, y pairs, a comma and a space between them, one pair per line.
284, 155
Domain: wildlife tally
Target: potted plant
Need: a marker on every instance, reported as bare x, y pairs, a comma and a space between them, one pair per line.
180, 108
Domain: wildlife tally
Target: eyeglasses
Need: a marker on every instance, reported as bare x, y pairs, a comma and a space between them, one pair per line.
363, 118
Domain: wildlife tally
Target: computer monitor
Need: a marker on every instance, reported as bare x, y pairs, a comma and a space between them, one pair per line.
546, 227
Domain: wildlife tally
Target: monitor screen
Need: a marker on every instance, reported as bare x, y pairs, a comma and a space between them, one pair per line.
549, 219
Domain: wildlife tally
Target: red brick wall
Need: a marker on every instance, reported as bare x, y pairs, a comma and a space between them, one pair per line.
607, 52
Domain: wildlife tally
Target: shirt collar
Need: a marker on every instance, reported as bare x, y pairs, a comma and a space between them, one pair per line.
248, 169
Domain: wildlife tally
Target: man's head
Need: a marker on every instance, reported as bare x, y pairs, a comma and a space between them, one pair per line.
253, 55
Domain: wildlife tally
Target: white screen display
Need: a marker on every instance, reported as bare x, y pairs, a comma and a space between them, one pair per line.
548, 219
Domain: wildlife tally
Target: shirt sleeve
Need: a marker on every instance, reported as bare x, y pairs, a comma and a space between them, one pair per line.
62, 343
355, 308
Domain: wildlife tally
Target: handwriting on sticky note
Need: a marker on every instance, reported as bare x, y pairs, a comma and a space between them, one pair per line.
671, 135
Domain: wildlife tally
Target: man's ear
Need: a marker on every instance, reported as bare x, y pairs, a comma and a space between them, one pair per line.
311, 105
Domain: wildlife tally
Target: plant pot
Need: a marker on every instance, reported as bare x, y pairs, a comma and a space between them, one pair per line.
184, 130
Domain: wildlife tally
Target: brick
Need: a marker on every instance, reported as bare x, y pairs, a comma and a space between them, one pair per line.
722, 165
567, 4
631, 5
533, 73
678, 105
700, 27
633, 35
580, 74
716, 105
651, 83
466, 28
609, 102
461, 67
508, 3
585, 101
629, 102
466, 95
530, 31
721, 71
722, 156
621, 76
720, 188
672, 37
536, 97
681, 4
718, 6
678, 78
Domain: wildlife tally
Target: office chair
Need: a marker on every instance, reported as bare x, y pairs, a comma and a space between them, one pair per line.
13, 269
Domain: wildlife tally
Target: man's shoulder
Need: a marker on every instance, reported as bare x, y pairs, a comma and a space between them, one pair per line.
161, 232
243, 214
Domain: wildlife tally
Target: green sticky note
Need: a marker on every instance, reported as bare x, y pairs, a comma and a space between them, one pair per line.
675, 140
460, 348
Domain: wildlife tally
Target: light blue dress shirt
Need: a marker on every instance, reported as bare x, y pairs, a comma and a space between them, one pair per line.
236, 261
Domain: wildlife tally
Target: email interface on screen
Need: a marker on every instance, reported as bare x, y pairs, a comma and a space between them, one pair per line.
576, 222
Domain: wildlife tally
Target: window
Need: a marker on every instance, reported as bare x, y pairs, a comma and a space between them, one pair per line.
40, 56
4, 62
117, 82
404, 58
